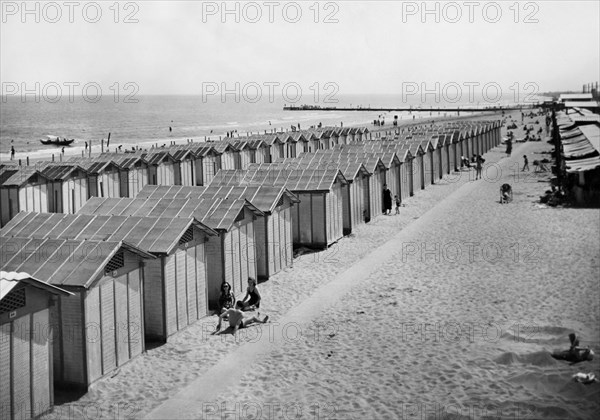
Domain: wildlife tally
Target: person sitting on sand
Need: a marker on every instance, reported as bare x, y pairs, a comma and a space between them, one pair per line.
227, 298
252, 299
236, 318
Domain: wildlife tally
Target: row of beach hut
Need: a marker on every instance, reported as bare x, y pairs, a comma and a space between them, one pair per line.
120, 265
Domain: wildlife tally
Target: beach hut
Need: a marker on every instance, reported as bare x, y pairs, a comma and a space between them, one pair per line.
273, 231
230, 256
103, 176
302, 143
244, 154
260, 152
227, 154
355, 198
206, 162
418, 165
22, 188
133, 172
160, 167
318, 219
67, 186
183, 165
289, 144
26, 388
99, 327
174, 283
438, 158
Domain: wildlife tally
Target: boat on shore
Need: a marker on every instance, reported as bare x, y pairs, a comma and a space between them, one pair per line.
56, 141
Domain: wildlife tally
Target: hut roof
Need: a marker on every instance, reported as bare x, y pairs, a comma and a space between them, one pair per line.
58, 171
223, 146
265, 198
11, 279
94, 165
217, 214
124, 160
157, 156
301, 179
63, 262
159, 235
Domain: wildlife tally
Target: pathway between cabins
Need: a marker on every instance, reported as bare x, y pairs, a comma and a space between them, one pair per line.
197, 399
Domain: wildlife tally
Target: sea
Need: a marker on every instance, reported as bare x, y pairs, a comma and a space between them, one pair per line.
162, 119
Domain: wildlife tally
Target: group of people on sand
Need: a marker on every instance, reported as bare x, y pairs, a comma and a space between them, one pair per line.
233, 311
387, 201
476, 161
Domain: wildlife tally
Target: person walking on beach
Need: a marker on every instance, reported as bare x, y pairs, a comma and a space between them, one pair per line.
526, 165
387, 200
12, 152
508, 147
397, 204
236, 319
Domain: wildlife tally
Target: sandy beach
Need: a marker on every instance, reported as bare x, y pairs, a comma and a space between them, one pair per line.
448, 310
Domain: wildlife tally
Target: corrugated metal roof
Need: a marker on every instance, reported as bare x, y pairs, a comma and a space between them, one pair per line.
61, 262
265, 198
301, 179
582, 165
156, 235
592, 133
214, 213
11, 279
58, 171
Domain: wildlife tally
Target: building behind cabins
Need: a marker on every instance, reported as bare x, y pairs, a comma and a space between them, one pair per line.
26, 336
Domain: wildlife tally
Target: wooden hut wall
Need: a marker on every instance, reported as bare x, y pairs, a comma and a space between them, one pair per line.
309, 220
454, 157
109, 184
175, 289
429, 167
211, 164
418, 173
274, 241
26, 388
445, 159
376, 190
100, 329
393, 179
33, 196
227, 159
9, 203
245, 158
165, 173
279, 231
231, 257
184, 172
290, 149
67, 196
359, 200
438, 171
407, 179
138, 179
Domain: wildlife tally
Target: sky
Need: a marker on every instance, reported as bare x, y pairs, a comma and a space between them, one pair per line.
352, 47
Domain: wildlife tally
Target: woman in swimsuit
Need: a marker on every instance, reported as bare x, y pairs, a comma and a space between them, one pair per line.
252, 299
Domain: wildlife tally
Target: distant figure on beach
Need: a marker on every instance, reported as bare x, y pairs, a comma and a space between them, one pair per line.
86, 145
397, 204
236, 319
526, 165
63, 151
252, 299
12, 152
387, 200
508, 147
227, 298
478, 166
